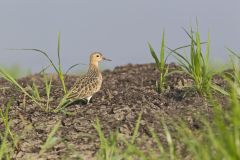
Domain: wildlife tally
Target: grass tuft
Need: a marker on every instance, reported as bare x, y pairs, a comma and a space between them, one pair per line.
161, 65
57, 68
34, 94
197, 65
221, 138
232, 76
10, 79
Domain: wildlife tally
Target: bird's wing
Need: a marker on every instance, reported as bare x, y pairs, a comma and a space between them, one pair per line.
84, 87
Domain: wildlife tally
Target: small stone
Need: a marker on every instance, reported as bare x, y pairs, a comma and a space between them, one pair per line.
125, 130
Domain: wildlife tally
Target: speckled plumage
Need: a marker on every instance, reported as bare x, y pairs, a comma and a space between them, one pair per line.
89, 83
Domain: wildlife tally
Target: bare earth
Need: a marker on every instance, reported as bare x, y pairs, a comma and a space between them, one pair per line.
126, 92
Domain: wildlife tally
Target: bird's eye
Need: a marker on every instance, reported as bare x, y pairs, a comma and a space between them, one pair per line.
97, 55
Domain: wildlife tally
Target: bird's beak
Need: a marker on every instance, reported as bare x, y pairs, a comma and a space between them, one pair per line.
105, 59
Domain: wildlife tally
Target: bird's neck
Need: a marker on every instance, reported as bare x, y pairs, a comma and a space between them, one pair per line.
94, 63
93, 67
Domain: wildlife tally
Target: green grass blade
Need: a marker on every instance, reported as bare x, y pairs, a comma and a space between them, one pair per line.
162, 53
58, 50
35, 91
234, 53
60, 73
190, 35
5, 118
178, 54
72, 66
3, 145
43, 70
186, 46
169, 141
207, 50
57, 69
156, 139
51, 140
103, 141
48, 86
154, 55
219, 89
135, 132
39, 51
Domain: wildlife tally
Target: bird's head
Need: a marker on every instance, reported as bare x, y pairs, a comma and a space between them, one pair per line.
96, 57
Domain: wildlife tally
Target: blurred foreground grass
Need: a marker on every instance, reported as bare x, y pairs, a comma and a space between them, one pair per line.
16, 71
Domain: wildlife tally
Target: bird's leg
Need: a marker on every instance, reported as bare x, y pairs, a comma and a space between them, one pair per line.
88, 99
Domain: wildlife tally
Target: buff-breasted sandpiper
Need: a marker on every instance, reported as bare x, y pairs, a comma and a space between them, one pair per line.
89, 83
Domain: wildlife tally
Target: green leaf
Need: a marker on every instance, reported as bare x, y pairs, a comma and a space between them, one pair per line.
154, 55
162, 53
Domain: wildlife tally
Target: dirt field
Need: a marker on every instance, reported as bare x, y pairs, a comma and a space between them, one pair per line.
126, 92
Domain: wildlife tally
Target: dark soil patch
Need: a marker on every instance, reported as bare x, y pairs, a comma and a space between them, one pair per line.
126, 92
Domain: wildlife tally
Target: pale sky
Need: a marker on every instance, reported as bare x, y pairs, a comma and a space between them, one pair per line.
118, 29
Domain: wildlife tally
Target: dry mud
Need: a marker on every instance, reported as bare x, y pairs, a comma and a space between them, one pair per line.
126, 92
